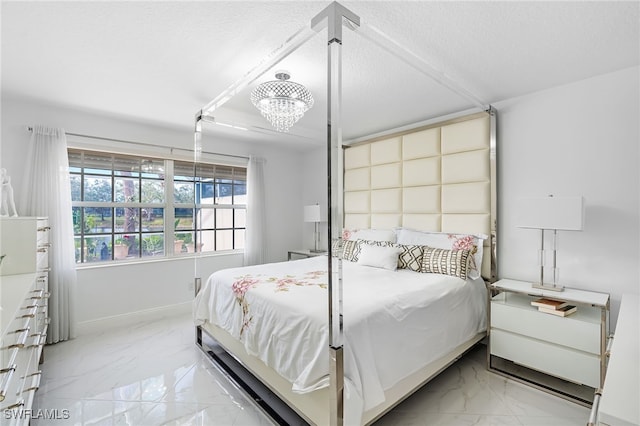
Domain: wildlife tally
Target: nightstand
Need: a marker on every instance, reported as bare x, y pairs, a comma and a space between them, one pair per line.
562, 355
303, 253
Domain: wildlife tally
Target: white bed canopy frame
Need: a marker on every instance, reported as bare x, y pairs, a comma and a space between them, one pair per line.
335, 18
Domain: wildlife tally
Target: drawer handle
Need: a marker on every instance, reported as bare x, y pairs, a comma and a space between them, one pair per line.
29, 306
44, 228
21, 340
41, 341
39, 295
35, 383
14, 406
7, 369
42, 250
37, 373
7, 372
47, 245
42, 296
31, 314
607, 352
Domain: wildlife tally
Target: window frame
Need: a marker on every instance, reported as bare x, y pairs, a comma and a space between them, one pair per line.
169, 232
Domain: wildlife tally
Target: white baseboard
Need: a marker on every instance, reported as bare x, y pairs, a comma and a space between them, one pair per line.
123, 320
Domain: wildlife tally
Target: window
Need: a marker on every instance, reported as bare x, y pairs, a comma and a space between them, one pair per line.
219, 194
130, 207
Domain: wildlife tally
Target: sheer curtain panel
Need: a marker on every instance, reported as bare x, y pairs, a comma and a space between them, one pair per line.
255, 245
47, 192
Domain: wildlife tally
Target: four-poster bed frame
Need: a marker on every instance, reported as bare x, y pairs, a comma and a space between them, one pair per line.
312, 407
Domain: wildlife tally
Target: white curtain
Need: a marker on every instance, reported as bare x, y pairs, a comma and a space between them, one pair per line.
47, 192
255, 244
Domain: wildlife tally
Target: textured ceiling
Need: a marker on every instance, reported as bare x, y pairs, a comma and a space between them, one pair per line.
160, 62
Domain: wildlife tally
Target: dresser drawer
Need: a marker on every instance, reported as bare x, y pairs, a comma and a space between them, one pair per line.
42, 231
42, 259
575, 366
581, 330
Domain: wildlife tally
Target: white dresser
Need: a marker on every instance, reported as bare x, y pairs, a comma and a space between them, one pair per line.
571, 349
24, 276
619, 403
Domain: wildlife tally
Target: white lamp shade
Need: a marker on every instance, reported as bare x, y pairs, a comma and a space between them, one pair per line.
312, 213
565, 213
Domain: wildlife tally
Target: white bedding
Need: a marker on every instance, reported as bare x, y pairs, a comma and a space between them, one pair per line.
395, 322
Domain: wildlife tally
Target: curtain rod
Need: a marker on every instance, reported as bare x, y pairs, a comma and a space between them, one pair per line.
30, 129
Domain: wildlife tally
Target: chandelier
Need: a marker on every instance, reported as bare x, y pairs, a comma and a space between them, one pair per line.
282, 102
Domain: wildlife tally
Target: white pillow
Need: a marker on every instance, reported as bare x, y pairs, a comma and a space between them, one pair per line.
370, 234
449, 241
379, 256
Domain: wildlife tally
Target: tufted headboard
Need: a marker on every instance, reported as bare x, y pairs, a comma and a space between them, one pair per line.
436, 178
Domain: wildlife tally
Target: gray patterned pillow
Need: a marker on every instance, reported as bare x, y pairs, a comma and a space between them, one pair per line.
350, 250
410, 257
336, 247
448, 262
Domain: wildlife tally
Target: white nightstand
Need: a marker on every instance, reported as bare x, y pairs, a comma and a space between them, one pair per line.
302, 253
569, 351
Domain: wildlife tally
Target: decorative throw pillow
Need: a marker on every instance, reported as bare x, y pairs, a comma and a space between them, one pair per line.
445, 240
410, 257
336, 247
350, 250
447, 262
385, 257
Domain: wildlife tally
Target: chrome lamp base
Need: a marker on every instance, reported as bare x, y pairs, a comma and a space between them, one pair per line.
540, 284
549, 287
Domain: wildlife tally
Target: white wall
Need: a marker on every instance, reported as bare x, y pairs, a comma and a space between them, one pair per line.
577, 139
107, 291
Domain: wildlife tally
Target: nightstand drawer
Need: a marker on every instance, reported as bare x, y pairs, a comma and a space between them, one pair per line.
575, 366
580, 330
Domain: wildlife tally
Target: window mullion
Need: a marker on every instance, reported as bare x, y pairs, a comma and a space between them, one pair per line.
82, 219
169, 211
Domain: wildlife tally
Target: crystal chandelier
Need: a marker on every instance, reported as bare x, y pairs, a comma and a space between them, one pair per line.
282, 102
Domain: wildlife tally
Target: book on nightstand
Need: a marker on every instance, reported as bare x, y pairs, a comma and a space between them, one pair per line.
561, 312
549, 303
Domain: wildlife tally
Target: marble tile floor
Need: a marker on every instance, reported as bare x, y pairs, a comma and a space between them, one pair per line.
152, 373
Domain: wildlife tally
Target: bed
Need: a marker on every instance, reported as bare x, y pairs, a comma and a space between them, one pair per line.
277, 313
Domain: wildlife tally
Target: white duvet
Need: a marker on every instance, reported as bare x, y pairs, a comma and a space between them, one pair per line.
395, 322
